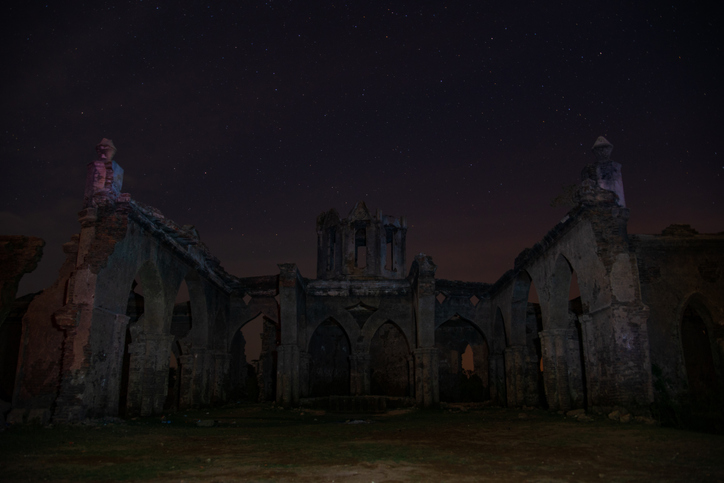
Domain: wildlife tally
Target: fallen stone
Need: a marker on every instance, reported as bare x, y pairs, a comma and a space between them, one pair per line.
16, 416
574, 413
39, 416
584, 418
626, 418
614, 415
621, 410
645, 420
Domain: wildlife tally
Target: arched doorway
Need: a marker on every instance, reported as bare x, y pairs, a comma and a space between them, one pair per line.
565, 333
452, 340
697, 351
329, 351
389, 362
143, 377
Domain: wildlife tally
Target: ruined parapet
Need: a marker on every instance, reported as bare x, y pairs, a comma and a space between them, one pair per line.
360, 246
603, 174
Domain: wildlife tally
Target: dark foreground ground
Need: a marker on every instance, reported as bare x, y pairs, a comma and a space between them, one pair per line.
260, 443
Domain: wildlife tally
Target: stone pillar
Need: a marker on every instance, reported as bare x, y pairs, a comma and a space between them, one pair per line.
186, 380
290, 297
304, 365
288, 375
514, 375
202, 367
554, 345
221, 376
155, 373
427, 388
617, 340
115, 370
411, 375
496, 376
427, 391
359, 374
69, 403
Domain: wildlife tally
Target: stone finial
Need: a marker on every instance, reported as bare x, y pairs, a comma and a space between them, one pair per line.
106, 150
602, 149
104, 178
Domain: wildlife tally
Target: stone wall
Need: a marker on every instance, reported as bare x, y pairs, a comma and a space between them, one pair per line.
682, 274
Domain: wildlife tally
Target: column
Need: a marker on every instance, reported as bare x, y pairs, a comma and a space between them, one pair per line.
288, 375
496, 376
427, 391
555, 368
359, 374
514, 375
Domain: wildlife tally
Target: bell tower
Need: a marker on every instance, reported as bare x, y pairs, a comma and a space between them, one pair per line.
361, 246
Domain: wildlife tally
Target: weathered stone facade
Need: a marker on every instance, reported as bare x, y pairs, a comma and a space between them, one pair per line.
108, 338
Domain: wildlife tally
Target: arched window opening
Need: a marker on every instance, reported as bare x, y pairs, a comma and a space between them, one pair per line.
331, 242
360, 247
390, 248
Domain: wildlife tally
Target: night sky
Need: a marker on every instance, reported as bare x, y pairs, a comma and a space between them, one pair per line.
468, 119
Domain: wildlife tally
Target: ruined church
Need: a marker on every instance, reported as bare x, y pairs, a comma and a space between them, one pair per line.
371, 331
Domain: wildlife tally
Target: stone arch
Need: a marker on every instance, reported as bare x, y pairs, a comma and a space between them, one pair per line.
451, 340
259, 377
147, 346
341, 317
329, 352
563, 340
373, 325
390, 361
702, 361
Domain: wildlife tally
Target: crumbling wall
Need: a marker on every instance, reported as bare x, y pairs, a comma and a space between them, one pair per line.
42, 343
456, 385
371, 314
679, 270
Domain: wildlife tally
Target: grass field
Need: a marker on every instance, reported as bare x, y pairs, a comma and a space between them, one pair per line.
261, 443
